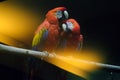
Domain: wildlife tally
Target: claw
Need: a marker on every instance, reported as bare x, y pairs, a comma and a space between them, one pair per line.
53, 55
46, 53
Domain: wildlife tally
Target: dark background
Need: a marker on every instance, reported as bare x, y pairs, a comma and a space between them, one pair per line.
99, 20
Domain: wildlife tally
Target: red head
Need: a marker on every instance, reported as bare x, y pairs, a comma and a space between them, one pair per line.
72, 26
57, 14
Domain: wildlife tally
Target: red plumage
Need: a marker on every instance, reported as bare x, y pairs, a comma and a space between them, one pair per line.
46, 38
74, 38
51, 23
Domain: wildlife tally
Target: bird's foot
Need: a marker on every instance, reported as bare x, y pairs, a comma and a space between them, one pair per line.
46, 54
52, 54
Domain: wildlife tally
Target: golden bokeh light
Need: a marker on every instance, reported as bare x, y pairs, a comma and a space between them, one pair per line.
17, 22
17, 26
77, 62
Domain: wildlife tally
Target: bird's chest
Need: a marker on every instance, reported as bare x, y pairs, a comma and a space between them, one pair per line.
52, 39
72, 41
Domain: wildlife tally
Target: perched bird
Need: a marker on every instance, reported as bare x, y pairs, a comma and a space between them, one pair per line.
71, 40
48, 32
71, 37
46, 38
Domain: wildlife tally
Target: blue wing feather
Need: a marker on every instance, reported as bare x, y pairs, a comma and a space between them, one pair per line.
45, 35
39, 39
43, 39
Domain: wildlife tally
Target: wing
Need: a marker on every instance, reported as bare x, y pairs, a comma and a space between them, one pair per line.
39, 39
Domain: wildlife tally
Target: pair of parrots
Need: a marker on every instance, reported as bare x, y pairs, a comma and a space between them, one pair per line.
57, 31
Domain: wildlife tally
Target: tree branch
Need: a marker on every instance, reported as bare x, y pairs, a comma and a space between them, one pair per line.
21, 51
39, 54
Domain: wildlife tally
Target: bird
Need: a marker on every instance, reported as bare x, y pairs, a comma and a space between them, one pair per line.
71, 37
46, 38
71, 42
48, 31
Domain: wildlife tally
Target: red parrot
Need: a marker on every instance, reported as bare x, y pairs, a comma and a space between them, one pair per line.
46, 39
48, 32
71, 37
71, 40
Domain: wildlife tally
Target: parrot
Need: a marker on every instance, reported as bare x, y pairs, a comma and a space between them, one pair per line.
46, 38
48, 31
71, 40
71, 37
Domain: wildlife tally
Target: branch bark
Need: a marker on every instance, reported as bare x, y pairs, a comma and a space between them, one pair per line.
39, 54
5, 48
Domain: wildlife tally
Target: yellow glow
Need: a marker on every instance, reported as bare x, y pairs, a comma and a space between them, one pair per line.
75, 62
17, 26
68, 67
11, 41
17, 22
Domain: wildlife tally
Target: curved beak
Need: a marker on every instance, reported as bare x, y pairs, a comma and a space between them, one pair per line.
66, 14
64, 27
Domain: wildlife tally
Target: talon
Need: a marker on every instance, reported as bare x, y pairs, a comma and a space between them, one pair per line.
46, 53
53, 54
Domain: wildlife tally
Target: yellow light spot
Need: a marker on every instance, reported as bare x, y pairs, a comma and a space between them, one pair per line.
17, 22
77, 62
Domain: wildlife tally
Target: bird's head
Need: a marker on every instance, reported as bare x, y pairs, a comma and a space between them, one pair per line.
57, 14
61, 12
71, 26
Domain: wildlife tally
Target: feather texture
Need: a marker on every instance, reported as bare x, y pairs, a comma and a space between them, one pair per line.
39, 38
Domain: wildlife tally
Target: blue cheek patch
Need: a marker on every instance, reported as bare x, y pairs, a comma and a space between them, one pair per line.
59, 14
70, 25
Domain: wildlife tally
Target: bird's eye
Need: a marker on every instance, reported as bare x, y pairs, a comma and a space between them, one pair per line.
66, 14
70, 25
59, 14
64, 27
